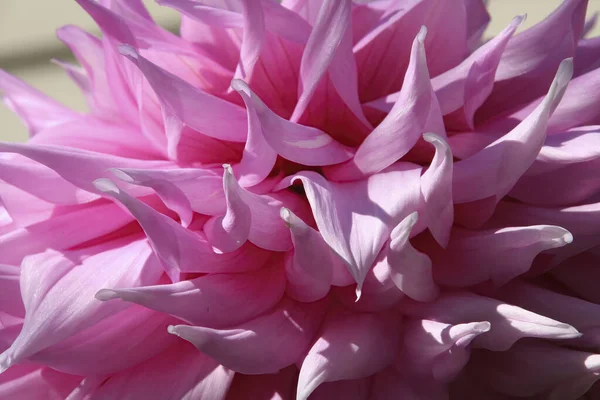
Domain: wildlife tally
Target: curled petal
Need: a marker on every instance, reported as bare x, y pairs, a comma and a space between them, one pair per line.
213, 300
351, 346
263, 345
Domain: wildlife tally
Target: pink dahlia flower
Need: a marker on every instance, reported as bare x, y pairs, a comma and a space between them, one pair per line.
307, 200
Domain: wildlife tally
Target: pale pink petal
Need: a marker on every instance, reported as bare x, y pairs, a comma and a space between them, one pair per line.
493, 171
409, 268
463, 89
279, 386
403, 126
295, 142
214, 300
586, 55
531, 58
497, 255
263, 345
438, 350
478, 19
179, 373
36, 110
25, 382
509, 323
180, 249
356, 218
350, 346
50, 279
436, 187
309, 269
10, 292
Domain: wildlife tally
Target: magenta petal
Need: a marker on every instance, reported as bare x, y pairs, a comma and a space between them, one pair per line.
224, 299
263, 345
10, 293
24, 382
509, 323
35, 109
178, 373
350, 346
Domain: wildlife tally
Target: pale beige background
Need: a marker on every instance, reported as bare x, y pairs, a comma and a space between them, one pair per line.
28, 42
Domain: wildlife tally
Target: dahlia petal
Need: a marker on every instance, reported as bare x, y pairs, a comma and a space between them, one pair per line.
355, 218
179, 249
295, 142
49, 279
177, 373
10, 293
409, 268
200, 111
499, 255
509, 323
229, 232
75, 226
493, 171
436, 187
402, 127
463, 89
328, 62
309, 270
383, 68
389, 384
25, 382
437, 349
478, 19
90, 165
350, 346
36, 110
111, 23
42, 182
586, 55
538, 368
214, 300
581, 314
263, 345
530, 59
279, 386
98, 350
573, 146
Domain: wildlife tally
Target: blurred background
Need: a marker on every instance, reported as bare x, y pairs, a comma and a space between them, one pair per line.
28, 42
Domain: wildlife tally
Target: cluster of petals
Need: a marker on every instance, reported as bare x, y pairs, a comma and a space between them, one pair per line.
307, 199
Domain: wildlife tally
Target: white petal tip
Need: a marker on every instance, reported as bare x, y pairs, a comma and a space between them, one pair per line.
128, 51
358, 293
106, 294
172, 329
431, 137
422, 34
568, 237
286, 215
240, 86
519, 19
106, 186
228, 169
121, 175
482, 327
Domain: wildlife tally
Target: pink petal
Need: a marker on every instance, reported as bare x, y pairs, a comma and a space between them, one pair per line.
477, 21
403, 126
200, 111
586, 55
295, 142
356, 218
463, 89
436, 187
180, 249
24, 382
509, 323
49, 279
531, 58
36, 110
499, 255
438, 350
309, 270
279, 386
493, 171
263, 345
10, 293
225, 299
177, 373
410, 269
350, 346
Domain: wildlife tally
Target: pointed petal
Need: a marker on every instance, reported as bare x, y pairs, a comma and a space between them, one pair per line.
309, 270
214, 300
409, 268
493, 171
402, 127
49, 279
302, 144
509, 323
263, 345
499, 255
351, 346
180, 249
436, 187
36, 110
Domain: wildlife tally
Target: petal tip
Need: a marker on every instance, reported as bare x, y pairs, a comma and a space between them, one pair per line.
106, 294
128, 51
106, 186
